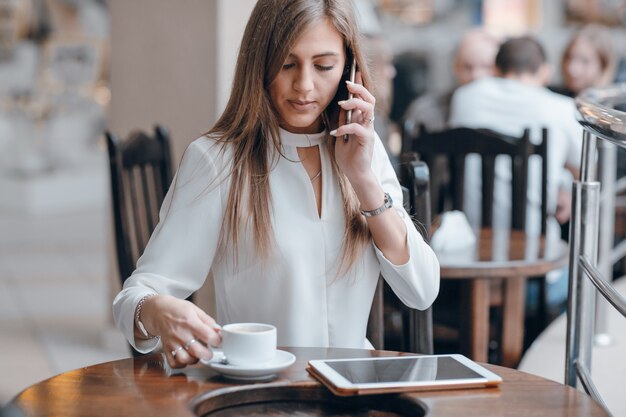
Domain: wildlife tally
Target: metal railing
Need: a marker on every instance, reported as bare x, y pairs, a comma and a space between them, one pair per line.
600, 121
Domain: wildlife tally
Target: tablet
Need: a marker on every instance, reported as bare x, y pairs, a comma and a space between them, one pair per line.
401, 373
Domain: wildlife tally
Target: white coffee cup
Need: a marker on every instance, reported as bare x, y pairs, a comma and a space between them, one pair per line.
246, 344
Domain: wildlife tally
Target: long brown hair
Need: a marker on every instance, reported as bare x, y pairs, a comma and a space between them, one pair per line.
250, 125
599, 37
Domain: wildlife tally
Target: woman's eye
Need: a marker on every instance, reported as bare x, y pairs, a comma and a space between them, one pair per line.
325, 67
288, 66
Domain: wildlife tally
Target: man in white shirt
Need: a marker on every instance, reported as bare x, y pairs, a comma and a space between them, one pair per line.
515, 100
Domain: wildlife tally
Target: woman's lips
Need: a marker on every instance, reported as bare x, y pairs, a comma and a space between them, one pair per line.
301, 105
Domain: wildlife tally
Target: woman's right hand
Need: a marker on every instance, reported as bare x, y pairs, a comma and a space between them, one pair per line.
186, 331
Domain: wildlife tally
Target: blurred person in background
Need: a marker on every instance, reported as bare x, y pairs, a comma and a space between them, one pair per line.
474, 59
20, 36
517, 99
53, 82
82, 18
588, 61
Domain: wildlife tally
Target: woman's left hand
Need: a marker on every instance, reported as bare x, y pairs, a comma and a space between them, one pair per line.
354, 156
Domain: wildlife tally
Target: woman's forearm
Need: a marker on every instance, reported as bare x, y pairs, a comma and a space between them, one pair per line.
387, 228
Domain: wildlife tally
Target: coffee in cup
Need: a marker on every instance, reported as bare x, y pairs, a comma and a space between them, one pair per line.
246, 344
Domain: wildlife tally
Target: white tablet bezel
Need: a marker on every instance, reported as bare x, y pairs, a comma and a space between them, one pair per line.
487, 378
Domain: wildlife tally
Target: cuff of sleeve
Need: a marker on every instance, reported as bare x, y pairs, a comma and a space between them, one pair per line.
147, 345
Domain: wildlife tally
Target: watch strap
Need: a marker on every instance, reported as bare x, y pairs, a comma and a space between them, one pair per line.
387, 204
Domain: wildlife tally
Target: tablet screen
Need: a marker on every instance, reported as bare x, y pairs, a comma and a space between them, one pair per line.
409, 369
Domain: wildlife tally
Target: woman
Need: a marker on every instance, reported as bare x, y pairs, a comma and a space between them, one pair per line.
588, 60
291, 219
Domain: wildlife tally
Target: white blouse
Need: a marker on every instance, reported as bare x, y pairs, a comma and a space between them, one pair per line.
297, 289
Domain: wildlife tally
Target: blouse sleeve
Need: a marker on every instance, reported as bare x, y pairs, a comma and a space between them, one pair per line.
180, 251
416, 282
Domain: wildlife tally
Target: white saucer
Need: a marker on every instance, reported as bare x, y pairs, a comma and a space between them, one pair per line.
267, 370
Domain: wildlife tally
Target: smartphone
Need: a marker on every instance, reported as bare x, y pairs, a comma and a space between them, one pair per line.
350, 95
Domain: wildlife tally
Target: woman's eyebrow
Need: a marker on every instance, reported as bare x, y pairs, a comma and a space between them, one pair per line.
320, 55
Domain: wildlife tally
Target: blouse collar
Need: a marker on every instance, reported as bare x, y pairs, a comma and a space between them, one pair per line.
301, 139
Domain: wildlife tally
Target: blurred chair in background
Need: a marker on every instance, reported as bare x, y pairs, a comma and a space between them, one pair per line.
448, 150
454, 145
410, 82
141, 173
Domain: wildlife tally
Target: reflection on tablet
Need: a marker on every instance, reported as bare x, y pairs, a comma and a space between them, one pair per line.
411, 369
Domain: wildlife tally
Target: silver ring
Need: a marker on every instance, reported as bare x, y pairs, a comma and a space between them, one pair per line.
175, 351
188, 344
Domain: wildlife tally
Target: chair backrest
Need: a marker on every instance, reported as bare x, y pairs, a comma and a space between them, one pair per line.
415, 176
141, 173
445, 154
417, 326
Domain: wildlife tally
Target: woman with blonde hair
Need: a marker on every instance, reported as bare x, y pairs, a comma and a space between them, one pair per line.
294, 221
588, 60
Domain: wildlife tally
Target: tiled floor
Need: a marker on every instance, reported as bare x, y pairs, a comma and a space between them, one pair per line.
54, 297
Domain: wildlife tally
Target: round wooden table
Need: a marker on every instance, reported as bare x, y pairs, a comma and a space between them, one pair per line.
510, 256
142, 386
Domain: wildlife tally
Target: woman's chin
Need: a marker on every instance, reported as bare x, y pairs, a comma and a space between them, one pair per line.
306, 127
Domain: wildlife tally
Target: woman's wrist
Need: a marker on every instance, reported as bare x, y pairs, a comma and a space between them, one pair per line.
369, 192
140, 325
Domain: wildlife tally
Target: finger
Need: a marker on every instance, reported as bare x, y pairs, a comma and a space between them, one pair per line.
198, 350
183, 357
352, 129
206, 329
358, 107
171, 361
208, 320
174, 356
360, 90
357, 104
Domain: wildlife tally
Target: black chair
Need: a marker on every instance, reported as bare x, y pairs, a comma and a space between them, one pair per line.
141, 173
416, 333
445, 154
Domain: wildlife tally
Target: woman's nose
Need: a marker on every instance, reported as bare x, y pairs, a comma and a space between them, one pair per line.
304, 80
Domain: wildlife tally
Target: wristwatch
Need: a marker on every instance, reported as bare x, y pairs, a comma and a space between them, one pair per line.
386, 205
